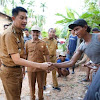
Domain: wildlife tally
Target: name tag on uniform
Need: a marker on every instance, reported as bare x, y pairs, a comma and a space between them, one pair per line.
41, 46
19, 50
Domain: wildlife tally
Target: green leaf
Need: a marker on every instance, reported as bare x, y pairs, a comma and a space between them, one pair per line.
70, 13
61, 15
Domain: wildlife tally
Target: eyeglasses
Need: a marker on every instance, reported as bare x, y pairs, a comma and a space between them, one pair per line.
62, 56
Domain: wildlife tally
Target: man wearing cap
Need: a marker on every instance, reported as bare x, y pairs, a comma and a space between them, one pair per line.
27, 35
95, 30
52, 47
36, 50
62, 71
12, 55
91, 47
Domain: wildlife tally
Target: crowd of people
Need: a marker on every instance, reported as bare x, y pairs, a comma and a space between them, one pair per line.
39, 56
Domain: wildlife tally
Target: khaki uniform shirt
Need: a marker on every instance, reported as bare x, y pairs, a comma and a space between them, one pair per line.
35, 52
11, 43
52, 46
0, 44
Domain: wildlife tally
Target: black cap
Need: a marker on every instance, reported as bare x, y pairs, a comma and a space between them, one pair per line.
25, 29
95, 29
78, 22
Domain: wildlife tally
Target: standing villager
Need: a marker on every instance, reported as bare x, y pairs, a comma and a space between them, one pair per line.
52, 47
91, 47
36, 51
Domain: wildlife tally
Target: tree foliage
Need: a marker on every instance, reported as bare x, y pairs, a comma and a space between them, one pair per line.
38, 19
91, 15
66, 20
3, 2
44, 34
43, 6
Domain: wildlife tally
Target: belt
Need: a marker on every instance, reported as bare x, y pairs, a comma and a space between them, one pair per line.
12, 66
52, 56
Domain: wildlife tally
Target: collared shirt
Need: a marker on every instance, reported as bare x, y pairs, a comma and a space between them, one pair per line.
52, 46
35, 51
11, 43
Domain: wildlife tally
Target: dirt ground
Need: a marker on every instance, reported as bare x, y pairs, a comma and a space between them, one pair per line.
71, 87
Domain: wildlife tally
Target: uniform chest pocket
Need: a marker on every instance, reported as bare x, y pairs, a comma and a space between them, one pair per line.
31, 49
41, 49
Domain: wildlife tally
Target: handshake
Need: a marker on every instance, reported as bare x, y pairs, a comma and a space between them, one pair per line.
48, 66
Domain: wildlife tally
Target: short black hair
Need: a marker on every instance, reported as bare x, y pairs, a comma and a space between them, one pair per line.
51, 29
16, 10
95, 29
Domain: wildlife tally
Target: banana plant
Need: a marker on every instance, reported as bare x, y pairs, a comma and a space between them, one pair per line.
66, 20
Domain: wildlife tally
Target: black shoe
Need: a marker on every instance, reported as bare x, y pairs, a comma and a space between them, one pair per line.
59, 75
85, 80
57, 88
73, 72
44, 88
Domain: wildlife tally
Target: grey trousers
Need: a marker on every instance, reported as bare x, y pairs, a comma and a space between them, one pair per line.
93, 92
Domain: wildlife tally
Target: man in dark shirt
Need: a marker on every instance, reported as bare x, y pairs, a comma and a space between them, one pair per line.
62, 71
72, 46
27, 35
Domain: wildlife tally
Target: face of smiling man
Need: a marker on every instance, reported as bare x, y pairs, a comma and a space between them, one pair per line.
20, 20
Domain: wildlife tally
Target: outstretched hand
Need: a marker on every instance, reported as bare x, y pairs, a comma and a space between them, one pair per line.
86, 65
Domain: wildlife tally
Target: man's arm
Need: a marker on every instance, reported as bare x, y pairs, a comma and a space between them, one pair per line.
20, 61
68, 50
0, 63
84, 59
70, 63
99, 36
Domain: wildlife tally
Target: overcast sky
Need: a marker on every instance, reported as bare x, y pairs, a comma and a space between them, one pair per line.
58, 6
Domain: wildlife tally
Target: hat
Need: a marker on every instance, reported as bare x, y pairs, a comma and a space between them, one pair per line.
78, 22
36, 28
95, 29
62, 54
25, 29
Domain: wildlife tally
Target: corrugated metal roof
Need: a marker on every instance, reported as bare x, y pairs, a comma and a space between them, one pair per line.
6, 16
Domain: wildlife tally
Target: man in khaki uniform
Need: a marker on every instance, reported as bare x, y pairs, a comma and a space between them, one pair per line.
52, 46
36, 50
12, 53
